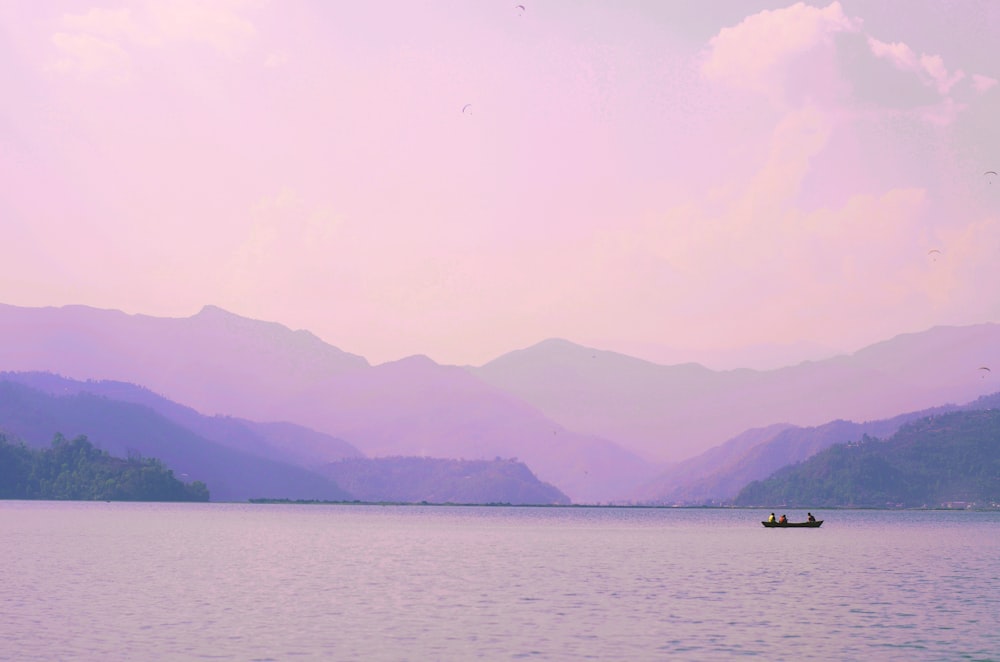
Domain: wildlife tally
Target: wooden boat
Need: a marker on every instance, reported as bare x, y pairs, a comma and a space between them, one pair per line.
793, 525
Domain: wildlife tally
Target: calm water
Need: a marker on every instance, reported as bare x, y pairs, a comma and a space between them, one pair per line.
259, 582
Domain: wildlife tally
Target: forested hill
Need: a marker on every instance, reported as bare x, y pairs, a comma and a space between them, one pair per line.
75, 470
952, 459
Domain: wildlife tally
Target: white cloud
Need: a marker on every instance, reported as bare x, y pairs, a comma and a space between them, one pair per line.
218, 24
969, 262
274, 60
756, 266
779, 251
930, 68
88, 56
749, 51
933, 65
111, 23
793, 58
982, 83
102, 41
898, 53
798, 137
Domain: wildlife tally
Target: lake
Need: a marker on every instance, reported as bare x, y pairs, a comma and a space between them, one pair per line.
117, 581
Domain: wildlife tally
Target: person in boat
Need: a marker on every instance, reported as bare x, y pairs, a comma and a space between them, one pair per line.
771, 519
809, 516
783, 519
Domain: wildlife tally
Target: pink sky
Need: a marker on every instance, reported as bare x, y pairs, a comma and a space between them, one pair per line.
640, 176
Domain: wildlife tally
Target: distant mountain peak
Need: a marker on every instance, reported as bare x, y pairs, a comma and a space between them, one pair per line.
213, 310
211, 314
414, 360
558, 348
558, 342
565, 352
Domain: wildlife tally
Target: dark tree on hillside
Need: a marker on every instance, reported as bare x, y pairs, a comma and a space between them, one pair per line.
76, 470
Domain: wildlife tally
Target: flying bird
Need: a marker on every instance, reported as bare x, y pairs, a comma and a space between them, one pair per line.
520, 9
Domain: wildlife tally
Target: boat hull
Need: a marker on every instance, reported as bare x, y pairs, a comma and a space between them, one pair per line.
793, 525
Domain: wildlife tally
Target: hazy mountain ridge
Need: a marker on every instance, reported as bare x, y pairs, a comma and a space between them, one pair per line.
581, 419
283, 442
124, 428
408, 407
719, 478
126, 416
671, 413
415, 407
697, 480
929, 462
434, 480
218, 360
719, 474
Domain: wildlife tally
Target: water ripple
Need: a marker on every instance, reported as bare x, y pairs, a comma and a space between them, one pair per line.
256, 582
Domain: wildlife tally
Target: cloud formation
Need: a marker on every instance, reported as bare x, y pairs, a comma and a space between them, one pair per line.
864, 251
100, 42
85, 55
750, 53
633, 174
983, 83
930, 67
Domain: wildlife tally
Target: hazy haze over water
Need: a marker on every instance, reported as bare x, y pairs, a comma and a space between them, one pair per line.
231, 581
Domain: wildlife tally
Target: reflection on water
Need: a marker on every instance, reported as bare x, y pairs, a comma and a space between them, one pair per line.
231, 581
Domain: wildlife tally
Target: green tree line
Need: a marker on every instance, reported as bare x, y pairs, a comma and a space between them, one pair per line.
76, 470
954, 457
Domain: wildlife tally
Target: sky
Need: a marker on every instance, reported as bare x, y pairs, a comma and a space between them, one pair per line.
746, 180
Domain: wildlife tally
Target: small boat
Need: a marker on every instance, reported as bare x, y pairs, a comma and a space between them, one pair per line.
793, 525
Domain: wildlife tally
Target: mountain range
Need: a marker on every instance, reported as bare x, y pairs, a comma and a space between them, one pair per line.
672, 413
598, 425
716, 476
241, 459
126, 429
